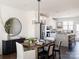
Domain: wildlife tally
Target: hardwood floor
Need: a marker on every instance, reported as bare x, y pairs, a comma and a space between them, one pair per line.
74, 54
11, 56
0, 57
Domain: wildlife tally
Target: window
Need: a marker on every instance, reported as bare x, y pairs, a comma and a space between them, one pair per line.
77, 27
68, 25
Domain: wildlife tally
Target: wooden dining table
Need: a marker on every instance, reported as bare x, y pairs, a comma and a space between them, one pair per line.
36, 46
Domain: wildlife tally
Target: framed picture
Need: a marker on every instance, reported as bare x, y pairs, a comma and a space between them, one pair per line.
59, 24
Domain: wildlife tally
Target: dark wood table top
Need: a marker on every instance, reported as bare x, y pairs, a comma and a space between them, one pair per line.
36, 46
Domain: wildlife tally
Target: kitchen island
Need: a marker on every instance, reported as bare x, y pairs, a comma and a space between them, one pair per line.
67, 38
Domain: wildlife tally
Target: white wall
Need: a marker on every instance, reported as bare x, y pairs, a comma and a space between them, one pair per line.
29, 29
7, 12
29, 25
25, 17
51, 22
3, 36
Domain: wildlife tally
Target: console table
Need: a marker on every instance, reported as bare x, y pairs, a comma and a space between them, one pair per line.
9, 46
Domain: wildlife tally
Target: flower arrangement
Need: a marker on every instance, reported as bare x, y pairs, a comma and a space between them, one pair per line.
32, 40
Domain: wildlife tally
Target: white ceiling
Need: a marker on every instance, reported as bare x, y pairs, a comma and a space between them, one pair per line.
51, 6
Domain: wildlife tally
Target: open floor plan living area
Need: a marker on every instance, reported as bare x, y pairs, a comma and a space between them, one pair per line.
39, 29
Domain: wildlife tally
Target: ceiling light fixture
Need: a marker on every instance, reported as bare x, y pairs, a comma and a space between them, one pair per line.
40, 20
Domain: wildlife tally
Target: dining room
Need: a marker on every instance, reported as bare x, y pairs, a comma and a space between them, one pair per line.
39, 29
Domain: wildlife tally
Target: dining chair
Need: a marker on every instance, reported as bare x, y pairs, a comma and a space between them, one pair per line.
46, 54
57, 48
21, 54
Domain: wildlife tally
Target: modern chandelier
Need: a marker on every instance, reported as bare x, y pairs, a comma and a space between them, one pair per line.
39, 20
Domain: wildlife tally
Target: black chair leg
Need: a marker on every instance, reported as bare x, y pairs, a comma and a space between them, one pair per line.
59, 55
48, 57
53, 55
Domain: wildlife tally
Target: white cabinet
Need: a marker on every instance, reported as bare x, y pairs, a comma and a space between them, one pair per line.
62, 37
46, 31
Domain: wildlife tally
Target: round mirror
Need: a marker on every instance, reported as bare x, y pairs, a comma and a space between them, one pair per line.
13, 26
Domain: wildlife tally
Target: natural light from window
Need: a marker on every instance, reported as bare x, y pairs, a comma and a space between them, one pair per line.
68, 25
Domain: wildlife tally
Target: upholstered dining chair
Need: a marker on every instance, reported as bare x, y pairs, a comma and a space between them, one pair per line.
57, 48
47, 54
30, 54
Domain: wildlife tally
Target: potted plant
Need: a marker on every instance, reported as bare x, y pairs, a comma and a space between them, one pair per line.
31, 40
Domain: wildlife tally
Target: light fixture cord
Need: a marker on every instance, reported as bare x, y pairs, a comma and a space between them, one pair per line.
38, 11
